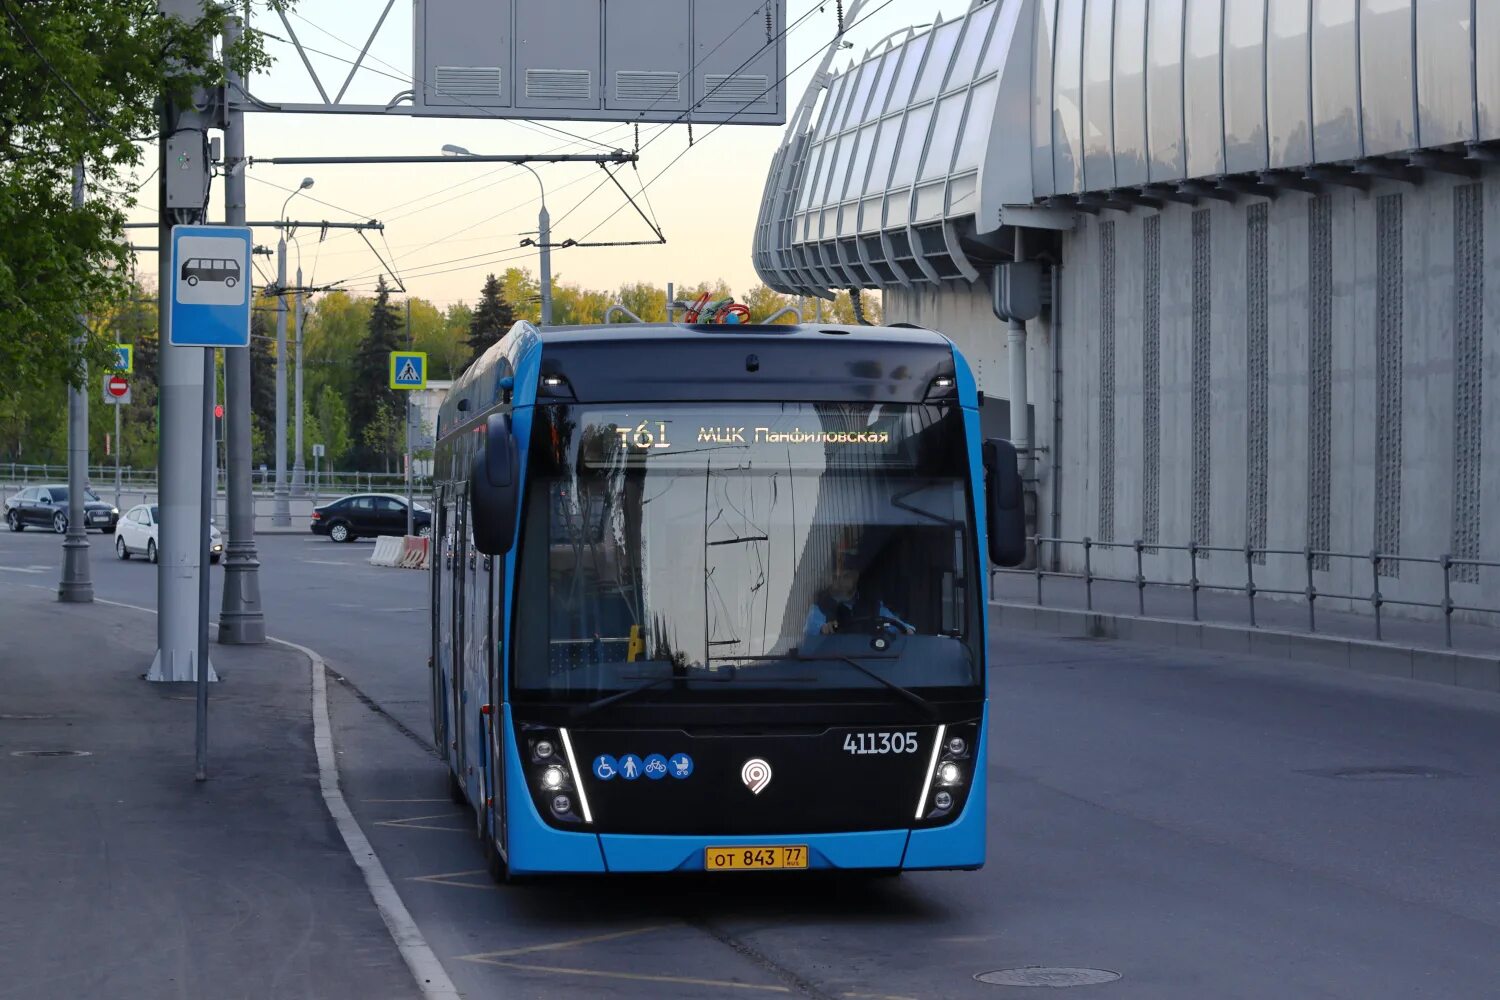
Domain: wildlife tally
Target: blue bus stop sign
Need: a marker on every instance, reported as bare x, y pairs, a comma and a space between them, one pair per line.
210, 301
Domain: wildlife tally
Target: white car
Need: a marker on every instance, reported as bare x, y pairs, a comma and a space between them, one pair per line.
135, 535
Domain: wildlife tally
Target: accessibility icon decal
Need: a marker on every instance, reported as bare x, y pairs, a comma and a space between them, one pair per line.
605, 767
656, 767
630, 767
680, 766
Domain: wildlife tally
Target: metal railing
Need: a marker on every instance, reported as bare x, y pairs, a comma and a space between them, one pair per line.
1310, 593
330, 483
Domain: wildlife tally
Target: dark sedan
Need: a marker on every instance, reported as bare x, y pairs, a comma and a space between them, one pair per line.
363, 515
47, 507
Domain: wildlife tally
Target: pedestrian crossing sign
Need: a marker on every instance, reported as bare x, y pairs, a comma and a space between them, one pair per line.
124, 359
408, 370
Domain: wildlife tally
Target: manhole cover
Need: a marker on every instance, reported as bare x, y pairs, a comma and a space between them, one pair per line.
50, 753
1057, 979
1381, 773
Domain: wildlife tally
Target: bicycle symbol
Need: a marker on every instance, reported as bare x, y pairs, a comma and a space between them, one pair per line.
656, 767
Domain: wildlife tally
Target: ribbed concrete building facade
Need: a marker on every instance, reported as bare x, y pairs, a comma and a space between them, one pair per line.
1268, 238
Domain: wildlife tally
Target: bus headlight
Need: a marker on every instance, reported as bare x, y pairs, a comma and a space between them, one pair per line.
949, 770
556, 786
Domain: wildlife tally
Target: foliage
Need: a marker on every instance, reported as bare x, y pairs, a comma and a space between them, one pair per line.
492, 318
371, 395
645, 300
333, 426
78, 85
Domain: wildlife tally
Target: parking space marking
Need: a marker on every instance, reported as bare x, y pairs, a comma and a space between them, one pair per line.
418, 823
639, 977
559, 945
481, 878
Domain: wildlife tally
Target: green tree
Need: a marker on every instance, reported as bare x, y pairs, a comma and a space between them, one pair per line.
573, 305
764, 302
492, 318
78, 85
446, 348
645, 300
523, 292
372, 365
331, 336
263, 379
333, 423
382, 435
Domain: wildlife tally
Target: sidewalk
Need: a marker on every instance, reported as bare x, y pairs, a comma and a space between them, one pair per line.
124, 878
1408, 647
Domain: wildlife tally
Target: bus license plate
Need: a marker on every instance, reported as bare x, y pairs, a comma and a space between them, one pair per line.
739, 859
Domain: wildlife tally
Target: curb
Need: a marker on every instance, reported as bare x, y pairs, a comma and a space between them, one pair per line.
1434, 666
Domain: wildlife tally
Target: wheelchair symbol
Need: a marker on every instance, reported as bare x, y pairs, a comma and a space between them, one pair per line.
605, 767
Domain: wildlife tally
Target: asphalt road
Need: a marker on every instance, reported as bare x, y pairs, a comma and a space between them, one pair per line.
1200, 825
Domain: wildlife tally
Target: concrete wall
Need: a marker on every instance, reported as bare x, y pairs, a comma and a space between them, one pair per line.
1408, 454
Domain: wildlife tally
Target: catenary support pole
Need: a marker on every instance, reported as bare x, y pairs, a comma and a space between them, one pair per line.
182, 394
406, 397
299, 471
544, 236
75, 586
281, 514
241, 620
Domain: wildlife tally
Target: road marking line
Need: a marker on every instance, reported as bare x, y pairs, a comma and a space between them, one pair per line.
332, 562
411, 823
486, 956
639, 977
404, 800
452, 878
432, 979
21, 569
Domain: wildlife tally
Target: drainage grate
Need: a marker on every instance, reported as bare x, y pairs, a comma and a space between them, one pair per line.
1380, 773
50, 753
1057, 979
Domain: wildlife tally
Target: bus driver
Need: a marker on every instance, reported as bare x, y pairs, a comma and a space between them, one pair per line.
842, 603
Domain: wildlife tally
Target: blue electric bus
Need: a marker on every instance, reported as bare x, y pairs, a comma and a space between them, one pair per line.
712, 598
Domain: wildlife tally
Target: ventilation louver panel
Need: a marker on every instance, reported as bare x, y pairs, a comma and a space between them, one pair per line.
467, 81
559, 84
723, 90
641, 85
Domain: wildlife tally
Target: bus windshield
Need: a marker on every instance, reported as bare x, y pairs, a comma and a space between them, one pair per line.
703, 549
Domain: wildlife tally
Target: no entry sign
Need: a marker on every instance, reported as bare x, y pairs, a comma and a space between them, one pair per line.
116, 389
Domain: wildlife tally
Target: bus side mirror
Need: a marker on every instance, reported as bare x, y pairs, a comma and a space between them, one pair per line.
494, 488
1005, 509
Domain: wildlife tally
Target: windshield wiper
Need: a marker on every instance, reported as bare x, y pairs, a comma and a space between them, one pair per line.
583, 711
927, 707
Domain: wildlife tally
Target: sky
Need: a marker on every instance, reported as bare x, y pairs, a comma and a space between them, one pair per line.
447, 225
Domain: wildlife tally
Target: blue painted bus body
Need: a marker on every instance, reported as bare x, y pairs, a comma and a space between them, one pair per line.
496, 783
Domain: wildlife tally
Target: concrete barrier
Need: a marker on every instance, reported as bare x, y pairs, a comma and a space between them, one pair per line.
414, 553
388, 550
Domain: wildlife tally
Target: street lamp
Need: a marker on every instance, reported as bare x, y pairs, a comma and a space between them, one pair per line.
281, 511
544, 232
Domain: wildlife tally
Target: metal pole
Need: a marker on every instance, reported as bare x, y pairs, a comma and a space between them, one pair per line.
206, 493
75, 586
183, 396
406, 402
299, 470
544, 232
281, 514
117, 455
241, 620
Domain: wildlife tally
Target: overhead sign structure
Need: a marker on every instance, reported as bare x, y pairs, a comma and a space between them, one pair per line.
125, 358
210, 301
116, 390
408, 370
